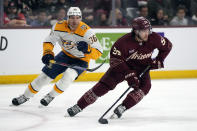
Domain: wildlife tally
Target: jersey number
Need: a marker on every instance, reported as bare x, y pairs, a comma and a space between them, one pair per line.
93, 39
116, 52
163, 41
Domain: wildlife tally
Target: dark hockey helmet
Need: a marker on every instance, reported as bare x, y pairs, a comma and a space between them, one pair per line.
141, 23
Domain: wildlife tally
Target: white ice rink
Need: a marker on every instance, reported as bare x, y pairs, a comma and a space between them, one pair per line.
171, 105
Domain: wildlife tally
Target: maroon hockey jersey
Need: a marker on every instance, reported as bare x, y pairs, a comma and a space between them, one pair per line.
137, 55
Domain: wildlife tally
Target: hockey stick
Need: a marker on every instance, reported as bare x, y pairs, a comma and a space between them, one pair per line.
105, 121
74, 66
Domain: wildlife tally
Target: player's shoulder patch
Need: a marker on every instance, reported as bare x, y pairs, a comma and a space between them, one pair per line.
84, 27
82, 30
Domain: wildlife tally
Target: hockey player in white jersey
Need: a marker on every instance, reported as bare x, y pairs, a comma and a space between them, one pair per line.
79, 44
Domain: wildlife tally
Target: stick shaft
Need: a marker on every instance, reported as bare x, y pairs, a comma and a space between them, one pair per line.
145, 70
75, 66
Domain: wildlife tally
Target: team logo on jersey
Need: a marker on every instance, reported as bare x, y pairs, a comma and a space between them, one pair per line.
68, 44
139, 56
83, 27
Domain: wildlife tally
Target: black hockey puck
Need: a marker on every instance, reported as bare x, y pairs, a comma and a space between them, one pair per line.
103, 121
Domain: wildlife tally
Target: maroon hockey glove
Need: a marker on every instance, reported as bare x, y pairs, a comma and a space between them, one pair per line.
156, 64
132, 79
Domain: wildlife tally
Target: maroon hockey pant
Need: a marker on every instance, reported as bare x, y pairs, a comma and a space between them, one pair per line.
102, 88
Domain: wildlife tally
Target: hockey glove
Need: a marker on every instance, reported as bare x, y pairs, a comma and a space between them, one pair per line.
82, 46
46, 58
156, 64
132, 79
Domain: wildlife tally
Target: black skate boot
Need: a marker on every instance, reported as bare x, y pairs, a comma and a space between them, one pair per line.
119, 110
46, 100
19, 100
74, 110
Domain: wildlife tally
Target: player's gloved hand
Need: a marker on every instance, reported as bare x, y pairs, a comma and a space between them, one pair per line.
46, 58
132, 79
156, 64
82, 46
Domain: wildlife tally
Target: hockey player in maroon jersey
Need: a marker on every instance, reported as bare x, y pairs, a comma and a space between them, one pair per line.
129, 56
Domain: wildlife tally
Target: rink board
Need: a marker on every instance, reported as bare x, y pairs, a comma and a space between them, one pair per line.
13, 79
21, 56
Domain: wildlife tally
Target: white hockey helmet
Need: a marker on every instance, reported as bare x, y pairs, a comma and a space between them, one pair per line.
74, 11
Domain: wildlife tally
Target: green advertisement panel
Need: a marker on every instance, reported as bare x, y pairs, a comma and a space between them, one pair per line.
107, 40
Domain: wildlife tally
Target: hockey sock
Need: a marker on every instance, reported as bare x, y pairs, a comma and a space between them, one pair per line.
30, 91
56, 91
133, 98
91, 96
35, 86
68, 77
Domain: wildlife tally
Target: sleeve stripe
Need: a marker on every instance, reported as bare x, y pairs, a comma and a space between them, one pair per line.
48, 42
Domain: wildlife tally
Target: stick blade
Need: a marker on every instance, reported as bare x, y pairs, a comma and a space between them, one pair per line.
103, 121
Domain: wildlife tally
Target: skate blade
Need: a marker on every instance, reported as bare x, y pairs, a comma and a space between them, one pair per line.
66, 115
113, 116
41, 106
11, 105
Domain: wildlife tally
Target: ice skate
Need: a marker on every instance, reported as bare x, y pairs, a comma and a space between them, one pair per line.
72, 111
19, 100
46, 100
118, 112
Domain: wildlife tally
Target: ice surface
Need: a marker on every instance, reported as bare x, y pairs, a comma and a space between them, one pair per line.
171, 105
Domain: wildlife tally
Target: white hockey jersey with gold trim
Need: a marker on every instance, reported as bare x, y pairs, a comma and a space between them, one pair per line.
62, 35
